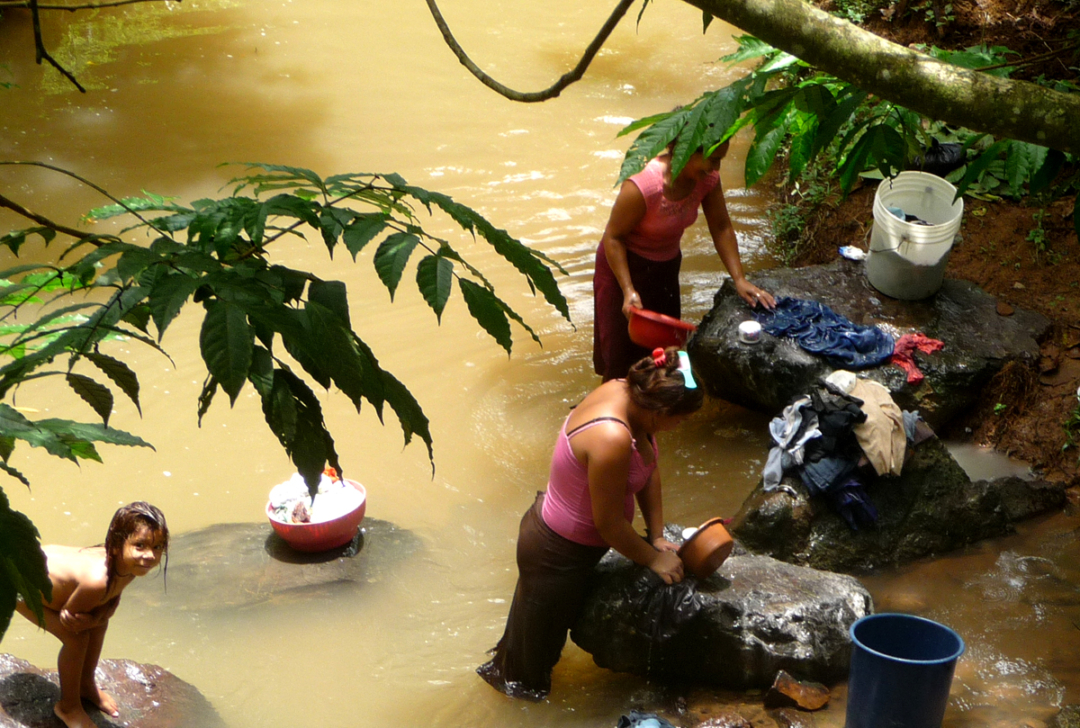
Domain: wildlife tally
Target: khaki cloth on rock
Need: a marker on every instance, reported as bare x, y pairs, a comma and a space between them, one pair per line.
882, 437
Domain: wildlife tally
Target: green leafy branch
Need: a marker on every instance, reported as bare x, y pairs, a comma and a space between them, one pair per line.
797, 110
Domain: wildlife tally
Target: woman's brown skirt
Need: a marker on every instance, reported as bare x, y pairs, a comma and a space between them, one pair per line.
553, 576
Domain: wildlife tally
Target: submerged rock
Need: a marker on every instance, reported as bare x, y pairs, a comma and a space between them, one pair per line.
788, 692
768, 375
931, 507
755, 616
149, 697
235, 565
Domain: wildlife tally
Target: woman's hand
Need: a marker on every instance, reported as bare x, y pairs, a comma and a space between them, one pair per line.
662, 544
754, 295
631, 300
77, 621
668, 566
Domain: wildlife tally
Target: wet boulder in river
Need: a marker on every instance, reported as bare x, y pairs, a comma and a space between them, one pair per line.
768, 375
149, 697
235, 565
736, 629
932, 507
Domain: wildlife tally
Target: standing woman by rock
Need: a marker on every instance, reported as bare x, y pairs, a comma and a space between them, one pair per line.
637, 264
604, 459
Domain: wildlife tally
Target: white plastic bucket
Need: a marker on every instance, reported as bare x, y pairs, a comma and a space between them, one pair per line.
907, 260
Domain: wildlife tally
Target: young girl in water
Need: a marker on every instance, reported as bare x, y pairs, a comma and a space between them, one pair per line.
86, 586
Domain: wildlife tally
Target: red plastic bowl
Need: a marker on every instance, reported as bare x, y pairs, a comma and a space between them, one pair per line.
322, 536
651, 329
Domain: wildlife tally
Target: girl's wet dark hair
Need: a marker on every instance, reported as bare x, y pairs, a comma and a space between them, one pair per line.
125, 522
662, 388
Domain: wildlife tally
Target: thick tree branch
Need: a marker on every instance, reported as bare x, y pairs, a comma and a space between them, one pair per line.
532, 96
1010, 109
88, 6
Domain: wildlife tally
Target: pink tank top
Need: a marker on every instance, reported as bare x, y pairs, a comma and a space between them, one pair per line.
658, 234
567, 505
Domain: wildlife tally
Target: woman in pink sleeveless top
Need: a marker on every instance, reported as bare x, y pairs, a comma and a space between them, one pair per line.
638, 261
604, 461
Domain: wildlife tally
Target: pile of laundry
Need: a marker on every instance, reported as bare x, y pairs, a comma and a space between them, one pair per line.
832, 434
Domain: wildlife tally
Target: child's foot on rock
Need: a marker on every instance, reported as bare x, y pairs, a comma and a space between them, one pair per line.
105, 702
74, 718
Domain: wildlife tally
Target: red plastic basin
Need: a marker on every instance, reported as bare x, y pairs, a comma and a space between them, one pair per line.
322, 536
651, 329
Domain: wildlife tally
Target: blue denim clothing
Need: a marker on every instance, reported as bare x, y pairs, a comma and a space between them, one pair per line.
820, 330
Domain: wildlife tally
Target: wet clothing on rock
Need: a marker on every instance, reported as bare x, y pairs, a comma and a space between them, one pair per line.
882, 436
821, 331
903, 354
556, 553
653, 257
825, 436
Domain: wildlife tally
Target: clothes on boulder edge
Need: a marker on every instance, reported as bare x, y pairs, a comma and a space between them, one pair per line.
903, 354
819, 330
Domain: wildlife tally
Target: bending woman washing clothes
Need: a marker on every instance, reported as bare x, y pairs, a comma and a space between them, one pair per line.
604, 459
637, 264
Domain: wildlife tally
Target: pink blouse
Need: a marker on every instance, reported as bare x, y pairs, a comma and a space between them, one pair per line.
567, 506
658, 234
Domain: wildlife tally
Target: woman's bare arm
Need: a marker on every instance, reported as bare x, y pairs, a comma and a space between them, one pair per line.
727, 247
626, 213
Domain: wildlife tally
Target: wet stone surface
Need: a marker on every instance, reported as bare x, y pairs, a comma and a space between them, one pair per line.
932, 507
768, 375
149, 697
238, 565
755, 616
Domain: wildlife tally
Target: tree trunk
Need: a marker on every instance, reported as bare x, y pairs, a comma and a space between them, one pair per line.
981, 102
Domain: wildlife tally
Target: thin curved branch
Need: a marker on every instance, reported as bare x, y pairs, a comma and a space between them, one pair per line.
532, 96
42, 54
41, 220
101, 190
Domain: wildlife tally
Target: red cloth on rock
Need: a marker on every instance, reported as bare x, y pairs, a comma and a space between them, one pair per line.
903, 354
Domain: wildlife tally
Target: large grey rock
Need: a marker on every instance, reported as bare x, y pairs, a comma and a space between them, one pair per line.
931, 507
233, 565
148, 696
767, 376
755, 616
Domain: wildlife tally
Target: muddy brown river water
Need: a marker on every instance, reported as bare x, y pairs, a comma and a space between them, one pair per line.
368, 86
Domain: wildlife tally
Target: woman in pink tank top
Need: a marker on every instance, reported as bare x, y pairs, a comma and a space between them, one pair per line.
604, 461
638, 261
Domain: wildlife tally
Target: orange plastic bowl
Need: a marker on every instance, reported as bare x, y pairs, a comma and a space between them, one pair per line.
322, 536
704, 552
651, 329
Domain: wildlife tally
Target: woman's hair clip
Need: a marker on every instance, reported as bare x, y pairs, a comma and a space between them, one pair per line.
659, 358
684, 368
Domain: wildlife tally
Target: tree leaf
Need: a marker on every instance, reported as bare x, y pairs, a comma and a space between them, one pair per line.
485, 308
392, 256
206, 396
226, 341
96, 395
408, 411
977, 165
167, 296
22, 565
362, 230
435, 278
763, 150
120, 373
1022, 160
651, 142
333, 295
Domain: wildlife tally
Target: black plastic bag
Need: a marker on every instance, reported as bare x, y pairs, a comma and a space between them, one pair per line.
940, 159
660, 609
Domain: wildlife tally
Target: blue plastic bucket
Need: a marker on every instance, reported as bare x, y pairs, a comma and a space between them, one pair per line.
901, 670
